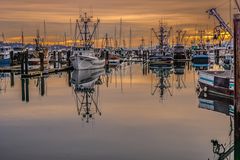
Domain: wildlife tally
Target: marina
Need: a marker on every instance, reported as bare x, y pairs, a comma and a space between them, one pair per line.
118, 88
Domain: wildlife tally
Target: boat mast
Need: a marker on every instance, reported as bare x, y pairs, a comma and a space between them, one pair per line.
45, 33
120, 33
82, 31
130, 38
65, 38
3, 37
70, 29
115, 37
22, 38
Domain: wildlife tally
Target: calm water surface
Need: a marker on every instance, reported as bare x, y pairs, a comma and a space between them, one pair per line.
132, 119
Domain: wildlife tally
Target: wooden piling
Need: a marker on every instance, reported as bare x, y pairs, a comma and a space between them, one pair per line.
69, 78
26, 62
12, 79
106, 53
59, 59
42, 86
237, 86
54, 56
41, 56
68, 58
27, 90
22, 63
11, 58
23, 89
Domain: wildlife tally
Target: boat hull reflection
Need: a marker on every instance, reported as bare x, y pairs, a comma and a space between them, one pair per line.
86, 78
86, 88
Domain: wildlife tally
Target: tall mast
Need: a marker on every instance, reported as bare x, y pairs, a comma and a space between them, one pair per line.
70, 29
115, 37
120, 33
45, 33
83, 33
65, 38
3, 37
130, 38
106, 41
230, 13
142, 43
22, 38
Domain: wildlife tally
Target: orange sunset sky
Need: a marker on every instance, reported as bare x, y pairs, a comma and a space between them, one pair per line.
140, 15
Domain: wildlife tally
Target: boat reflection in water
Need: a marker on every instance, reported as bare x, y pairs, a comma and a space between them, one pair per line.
86, 90
179, 70
198, 67
224, 106
162, 73
4, 80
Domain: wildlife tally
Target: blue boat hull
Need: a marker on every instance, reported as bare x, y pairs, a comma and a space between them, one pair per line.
200, 59
5, 62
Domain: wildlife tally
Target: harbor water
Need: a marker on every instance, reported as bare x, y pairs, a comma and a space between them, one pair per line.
137, 113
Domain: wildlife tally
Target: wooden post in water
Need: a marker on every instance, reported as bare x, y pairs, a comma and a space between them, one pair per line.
23, 89
22, 56
237, 86
54, 56
42, 86
22, 62
69, 78
26, 61
41, 56
68, 58
59, 59
27, 90
11, 58
12, 79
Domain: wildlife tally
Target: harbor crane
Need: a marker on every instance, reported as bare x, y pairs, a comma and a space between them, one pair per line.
222, 24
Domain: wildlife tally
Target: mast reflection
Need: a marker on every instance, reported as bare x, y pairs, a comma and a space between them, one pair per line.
162, 73
179, 70
4, 82
86, 90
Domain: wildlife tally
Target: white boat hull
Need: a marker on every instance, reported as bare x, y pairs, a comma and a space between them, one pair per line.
80, 62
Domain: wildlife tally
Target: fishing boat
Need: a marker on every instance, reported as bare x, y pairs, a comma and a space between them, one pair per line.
179, 53
159, 58
34, 54
84, 56
5, 55
161, 54
227, 61
86, 59
200, 57
220, 83
211, 55
114, 59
